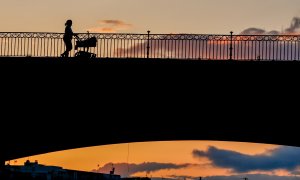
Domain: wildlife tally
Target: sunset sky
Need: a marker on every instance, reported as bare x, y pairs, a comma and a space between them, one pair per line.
180, 159
138, 16
184, 159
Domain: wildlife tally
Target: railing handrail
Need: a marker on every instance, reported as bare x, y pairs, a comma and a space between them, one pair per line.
260, 35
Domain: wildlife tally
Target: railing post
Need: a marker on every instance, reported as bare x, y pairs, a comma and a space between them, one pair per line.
231, 48
148, 45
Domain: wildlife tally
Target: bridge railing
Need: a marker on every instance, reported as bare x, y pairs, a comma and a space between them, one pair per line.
173, 46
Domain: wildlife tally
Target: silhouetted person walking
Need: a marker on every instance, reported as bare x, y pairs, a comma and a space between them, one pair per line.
68, 38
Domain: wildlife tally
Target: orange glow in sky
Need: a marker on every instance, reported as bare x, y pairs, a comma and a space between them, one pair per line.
176, 152
159, 16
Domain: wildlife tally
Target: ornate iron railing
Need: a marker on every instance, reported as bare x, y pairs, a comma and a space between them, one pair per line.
173, 46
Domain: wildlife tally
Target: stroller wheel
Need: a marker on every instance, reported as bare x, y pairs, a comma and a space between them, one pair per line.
77, 54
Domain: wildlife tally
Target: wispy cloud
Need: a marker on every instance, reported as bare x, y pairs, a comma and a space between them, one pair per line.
110, 26
253, 176
125, 169
236, 177
257, 31
183, 177
280, 158
118, 23
292, 30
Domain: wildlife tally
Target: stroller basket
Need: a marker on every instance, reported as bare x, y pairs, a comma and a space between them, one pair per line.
87, 43
90, 42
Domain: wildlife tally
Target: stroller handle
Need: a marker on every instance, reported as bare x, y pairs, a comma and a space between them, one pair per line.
76, 36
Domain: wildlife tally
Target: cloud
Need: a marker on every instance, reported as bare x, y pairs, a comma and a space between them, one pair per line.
117, 23
257, 31
295, 26
183, 177
281, 158
110, 26
236, 177
125, 169
292, 30
252, 177
103, 30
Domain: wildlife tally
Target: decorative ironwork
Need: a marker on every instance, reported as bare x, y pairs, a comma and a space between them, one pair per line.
175, 46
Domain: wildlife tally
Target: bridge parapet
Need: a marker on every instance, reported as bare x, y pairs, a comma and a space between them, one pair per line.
165, 46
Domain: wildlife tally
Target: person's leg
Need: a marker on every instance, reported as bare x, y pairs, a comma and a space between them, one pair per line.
68, 47
64, 53
68, 44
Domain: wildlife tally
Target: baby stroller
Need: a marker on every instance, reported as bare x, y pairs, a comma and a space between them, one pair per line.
86, 43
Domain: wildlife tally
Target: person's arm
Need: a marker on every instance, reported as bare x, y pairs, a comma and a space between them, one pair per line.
75, 34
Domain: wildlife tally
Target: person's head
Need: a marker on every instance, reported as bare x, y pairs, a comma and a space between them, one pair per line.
69, 23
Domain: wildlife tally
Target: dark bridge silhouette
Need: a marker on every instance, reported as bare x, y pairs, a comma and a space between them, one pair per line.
47, 110
99, 126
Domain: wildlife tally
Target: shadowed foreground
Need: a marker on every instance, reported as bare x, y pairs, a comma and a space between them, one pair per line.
53, 109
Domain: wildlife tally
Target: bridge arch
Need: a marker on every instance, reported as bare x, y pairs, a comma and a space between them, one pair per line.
76, 137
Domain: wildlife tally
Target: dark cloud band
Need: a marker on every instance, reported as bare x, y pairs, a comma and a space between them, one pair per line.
281, 158
125, 169
294, 28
